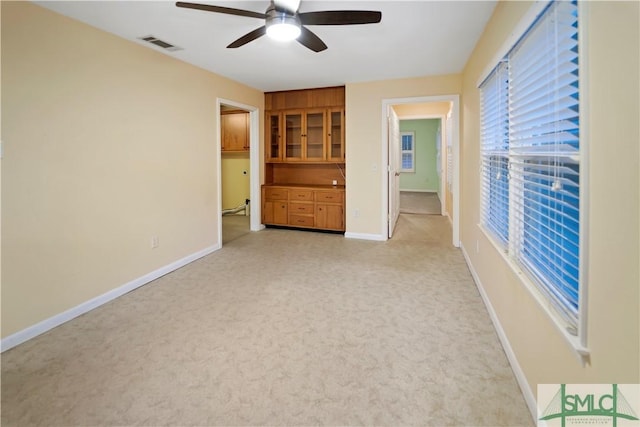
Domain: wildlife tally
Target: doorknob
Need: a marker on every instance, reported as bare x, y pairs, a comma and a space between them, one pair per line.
397, 173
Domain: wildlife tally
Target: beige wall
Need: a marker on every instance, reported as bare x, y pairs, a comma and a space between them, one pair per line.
106, 144
235, 184
365, 141
611, 137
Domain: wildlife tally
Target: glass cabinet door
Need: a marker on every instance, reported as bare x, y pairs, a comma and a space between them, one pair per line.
336, 135
293, 135
274, 151
315, 149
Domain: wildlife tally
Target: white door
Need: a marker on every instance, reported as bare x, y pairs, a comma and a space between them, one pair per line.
439, 161
394, 169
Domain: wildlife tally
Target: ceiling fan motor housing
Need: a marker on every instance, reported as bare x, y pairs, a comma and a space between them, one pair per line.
282, 24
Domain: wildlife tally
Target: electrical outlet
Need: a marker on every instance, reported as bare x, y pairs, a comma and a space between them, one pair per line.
155, 242
356, 213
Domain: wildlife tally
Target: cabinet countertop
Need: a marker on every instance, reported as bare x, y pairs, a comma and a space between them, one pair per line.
312, 186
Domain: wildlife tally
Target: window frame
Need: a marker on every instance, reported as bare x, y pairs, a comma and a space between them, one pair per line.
411, 152
578, 341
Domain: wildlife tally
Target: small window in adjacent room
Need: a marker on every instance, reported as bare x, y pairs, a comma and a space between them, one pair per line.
407, 154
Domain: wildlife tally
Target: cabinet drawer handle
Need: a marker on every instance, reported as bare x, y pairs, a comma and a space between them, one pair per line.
301, 209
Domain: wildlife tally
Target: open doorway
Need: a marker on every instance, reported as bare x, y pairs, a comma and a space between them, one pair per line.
421, 165
238, 170
235, 172
423, 161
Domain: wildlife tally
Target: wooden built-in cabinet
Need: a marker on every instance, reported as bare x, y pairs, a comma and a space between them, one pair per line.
305, 159
312, 135
299, 132
313, 207
234, 127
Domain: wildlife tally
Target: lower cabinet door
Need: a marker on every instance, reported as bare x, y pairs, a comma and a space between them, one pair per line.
330, 217
275, 212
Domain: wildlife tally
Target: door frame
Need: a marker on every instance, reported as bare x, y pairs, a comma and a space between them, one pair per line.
254, 163
455, 135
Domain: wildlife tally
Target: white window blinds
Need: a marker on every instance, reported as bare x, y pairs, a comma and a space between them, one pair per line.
530, 154
544, 152
494, 137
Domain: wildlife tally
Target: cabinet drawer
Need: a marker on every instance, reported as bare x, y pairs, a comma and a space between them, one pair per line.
302, 195
301, 220
329, 196
276, 194
300, 208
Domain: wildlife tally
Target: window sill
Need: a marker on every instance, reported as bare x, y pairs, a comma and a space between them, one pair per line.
574, 341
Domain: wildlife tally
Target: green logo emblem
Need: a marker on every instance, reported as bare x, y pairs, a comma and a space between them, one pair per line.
583, 407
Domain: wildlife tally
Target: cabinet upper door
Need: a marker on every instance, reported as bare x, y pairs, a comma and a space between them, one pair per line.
335, 136
293, 134
314, 135
235, 132
273, 143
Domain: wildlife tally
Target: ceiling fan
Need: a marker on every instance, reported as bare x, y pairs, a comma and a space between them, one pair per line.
284, 22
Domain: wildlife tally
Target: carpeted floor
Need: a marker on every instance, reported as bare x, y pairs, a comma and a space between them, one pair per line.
415, 202
280, 327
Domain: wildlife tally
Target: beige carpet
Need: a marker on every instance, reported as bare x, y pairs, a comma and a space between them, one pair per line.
278, 328
416, 202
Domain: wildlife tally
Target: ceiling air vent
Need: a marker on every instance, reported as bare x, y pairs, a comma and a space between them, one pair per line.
160, 43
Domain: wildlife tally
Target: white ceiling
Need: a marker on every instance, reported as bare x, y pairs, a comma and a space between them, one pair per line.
415, 38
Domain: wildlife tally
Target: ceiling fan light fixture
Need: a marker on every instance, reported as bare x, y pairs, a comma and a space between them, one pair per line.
284, 22
283, 28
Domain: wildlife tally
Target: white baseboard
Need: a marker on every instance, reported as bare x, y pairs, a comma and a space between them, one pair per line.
418, 191
529, 397
50, 323
365, 236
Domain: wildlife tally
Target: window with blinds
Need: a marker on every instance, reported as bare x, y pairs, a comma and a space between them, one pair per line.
494, 136
530, 154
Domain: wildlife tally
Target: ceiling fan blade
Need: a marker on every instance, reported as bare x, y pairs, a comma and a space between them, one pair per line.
288, 5
310, 40
249, 37
340, 17
219, 9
